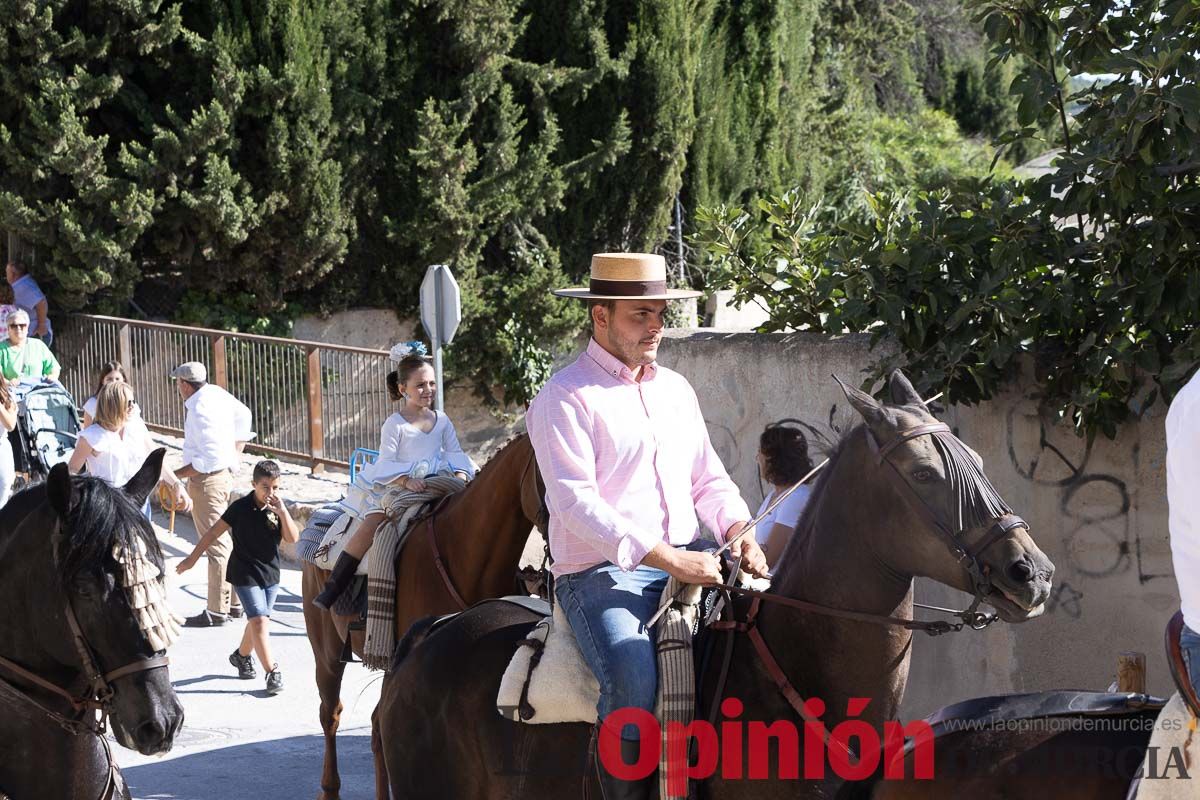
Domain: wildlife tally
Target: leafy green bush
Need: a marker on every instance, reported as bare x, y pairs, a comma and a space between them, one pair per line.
1092, 268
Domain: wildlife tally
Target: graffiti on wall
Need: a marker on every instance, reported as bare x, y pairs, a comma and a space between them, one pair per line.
1100, 540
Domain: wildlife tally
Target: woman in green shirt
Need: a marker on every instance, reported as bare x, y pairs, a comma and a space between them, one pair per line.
22, 357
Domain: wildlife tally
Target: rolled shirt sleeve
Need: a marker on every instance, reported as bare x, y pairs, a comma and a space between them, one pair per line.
559, 429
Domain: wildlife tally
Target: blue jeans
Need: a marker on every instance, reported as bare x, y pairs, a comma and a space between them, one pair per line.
608, 610
258, 601
1189, 643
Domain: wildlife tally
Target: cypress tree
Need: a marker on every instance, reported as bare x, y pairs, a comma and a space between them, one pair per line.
79, 92
265, 200
753, 100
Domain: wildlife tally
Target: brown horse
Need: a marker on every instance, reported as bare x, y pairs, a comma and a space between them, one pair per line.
892, 504
480, 533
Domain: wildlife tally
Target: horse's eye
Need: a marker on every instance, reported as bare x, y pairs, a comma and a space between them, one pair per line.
923, 475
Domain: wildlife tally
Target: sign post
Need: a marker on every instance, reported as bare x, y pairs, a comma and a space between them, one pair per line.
441, 311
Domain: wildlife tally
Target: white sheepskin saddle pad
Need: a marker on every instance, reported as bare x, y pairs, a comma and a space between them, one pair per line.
335, 541
562, 688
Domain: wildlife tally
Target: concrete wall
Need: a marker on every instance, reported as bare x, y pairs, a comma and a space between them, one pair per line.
1099, 513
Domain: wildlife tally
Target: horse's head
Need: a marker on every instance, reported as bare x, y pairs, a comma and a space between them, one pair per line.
969, 538
100, 533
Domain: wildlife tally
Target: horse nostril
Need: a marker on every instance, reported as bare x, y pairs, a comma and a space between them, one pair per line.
149, 734
1021, 571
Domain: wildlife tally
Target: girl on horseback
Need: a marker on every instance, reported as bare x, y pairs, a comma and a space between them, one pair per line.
415, 442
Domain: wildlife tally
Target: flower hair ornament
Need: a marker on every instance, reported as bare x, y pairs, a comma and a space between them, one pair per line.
402, 349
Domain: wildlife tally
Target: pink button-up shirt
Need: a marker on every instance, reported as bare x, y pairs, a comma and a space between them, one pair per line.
627, 464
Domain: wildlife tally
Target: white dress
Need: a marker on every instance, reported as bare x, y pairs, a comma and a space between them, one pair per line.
406, 450
116, 457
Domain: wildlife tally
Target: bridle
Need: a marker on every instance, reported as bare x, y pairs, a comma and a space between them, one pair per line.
90, 710
966, 555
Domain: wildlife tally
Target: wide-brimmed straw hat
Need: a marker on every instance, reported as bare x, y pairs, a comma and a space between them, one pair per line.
628, 276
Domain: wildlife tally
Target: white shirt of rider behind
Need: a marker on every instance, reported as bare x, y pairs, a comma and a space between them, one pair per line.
786, 513
1183, 501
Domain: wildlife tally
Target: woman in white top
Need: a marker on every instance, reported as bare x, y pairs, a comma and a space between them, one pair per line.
110, 372
782, 461
8, 421
116, 444
415, 442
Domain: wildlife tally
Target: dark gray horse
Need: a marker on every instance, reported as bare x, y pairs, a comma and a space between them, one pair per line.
70, 644
901, 497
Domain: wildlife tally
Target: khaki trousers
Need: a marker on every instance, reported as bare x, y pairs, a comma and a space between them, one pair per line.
210, 498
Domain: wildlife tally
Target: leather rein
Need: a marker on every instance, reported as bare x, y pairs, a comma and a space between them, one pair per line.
966, 555
431, 534
92, 707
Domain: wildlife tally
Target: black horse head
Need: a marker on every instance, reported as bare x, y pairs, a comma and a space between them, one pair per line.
60, 545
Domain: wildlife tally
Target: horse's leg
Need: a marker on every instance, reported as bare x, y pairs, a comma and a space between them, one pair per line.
327, 650
381, 779
329, 686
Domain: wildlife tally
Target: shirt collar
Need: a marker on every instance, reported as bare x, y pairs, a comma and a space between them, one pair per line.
190, 403
615, 367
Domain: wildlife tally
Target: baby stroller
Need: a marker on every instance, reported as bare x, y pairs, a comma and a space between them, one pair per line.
47, 428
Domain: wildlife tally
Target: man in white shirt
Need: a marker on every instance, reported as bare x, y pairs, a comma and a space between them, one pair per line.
215, 431
1183, 501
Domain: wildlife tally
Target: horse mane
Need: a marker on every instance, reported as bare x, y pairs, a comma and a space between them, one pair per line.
101, 519
806, 523
498, 452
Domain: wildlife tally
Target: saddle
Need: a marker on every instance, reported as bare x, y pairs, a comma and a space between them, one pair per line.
1178, 667
999, 711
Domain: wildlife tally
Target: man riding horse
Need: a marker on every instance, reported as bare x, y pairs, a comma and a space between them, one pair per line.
628, 467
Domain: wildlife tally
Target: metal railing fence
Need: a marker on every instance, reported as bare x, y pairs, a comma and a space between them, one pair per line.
311, 401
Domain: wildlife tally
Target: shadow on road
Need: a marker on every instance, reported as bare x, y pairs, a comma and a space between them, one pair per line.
282, 769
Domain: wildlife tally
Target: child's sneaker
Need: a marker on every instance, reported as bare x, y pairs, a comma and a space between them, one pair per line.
243, 664
274, 681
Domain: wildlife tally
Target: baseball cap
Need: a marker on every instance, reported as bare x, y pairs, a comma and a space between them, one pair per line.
192, 371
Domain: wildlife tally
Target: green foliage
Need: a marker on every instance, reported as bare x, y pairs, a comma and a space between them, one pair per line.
526, 366
1091, 269
233, 311
77, 85
894, 154
754, 100
284, 156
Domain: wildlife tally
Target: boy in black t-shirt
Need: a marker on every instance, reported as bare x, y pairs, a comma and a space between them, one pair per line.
257, 523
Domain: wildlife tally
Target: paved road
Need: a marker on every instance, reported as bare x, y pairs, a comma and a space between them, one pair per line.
238, 742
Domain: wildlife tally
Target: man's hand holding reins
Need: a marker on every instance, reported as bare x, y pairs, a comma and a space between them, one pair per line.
754, 560
686, 565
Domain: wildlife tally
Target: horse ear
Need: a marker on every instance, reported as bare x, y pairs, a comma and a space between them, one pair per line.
903, 393
60, 489
141, 484
872, 412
